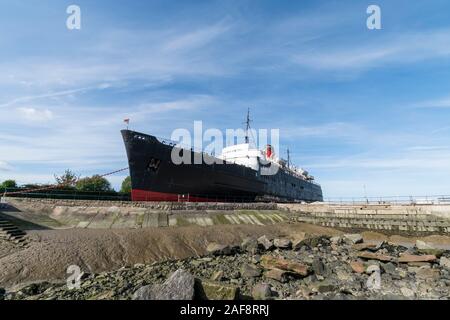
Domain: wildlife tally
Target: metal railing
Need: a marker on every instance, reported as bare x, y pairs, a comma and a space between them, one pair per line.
429, 199
66, 194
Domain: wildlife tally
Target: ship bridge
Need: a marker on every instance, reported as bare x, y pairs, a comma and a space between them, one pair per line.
242, 154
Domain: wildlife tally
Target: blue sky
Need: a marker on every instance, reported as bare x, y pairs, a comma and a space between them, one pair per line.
355, 106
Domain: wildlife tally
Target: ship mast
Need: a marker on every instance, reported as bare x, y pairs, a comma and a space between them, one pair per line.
288, 159
247, 123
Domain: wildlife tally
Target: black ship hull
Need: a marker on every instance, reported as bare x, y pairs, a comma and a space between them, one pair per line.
154, 177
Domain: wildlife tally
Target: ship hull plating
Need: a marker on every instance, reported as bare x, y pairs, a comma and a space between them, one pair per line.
154, 177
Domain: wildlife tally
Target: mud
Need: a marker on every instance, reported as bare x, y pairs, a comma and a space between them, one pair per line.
50, 252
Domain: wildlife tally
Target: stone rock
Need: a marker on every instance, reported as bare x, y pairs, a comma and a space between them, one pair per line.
324, 286
367, 246
353, 238
413, 269
357, 267
303, 292
427, 274
277, 274
392, 248
209, 290
218, 249
217, 276
402, 273
250, 245
282, 243
343, 275
297, 244
179, 286
407, 258
407, 292
265, 243
320, 268
196, 262
206, 259
427, 248
389, 268
391, 296
270, 262
262, 291
235, 274
256, 258
444, 262
311, 242
336, 240
419, 264
421, 245
374, 256
250, 271
35, 288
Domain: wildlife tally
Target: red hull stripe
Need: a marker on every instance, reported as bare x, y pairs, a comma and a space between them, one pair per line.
143, 195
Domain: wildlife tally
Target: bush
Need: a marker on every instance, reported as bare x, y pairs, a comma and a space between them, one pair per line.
68, 180
10, 184
94, 183
126, 185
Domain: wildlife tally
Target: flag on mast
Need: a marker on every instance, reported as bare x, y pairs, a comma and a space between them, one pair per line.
127, 121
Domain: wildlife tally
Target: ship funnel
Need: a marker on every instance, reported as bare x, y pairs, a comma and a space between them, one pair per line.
269, 151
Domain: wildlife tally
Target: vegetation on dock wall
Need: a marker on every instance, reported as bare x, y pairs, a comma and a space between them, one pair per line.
94, 183
126, 185
68, 180
8, 184
68, 186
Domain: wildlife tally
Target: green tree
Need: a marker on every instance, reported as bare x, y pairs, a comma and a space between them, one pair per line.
67, 180
94, 183
126, 185
10, 184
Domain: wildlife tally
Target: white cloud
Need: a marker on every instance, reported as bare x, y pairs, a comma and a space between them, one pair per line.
42, 96
35, 115
435, 103
4, 166
333, 129
87, 136
415, 160
150, 55
417, 172
197, 38
397, 48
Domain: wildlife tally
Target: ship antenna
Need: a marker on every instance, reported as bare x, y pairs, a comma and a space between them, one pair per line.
247, 123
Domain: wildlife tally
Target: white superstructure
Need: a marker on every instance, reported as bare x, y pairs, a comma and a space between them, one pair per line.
243, 154
246, 155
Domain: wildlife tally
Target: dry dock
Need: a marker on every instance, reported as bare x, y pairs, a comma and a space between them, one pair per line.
66, 214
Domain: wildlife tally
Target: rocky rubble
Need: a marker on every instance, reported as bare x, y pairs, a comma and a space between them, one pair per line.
315, 267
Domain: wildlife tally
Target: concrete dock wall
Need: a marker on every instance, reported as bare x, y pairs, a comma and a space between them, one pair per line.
47, 205
405, 218
58, 214
343, 210
61, 214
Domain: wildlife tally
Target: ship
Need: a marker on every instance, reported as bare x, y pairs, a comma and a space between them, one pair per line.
238, 174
